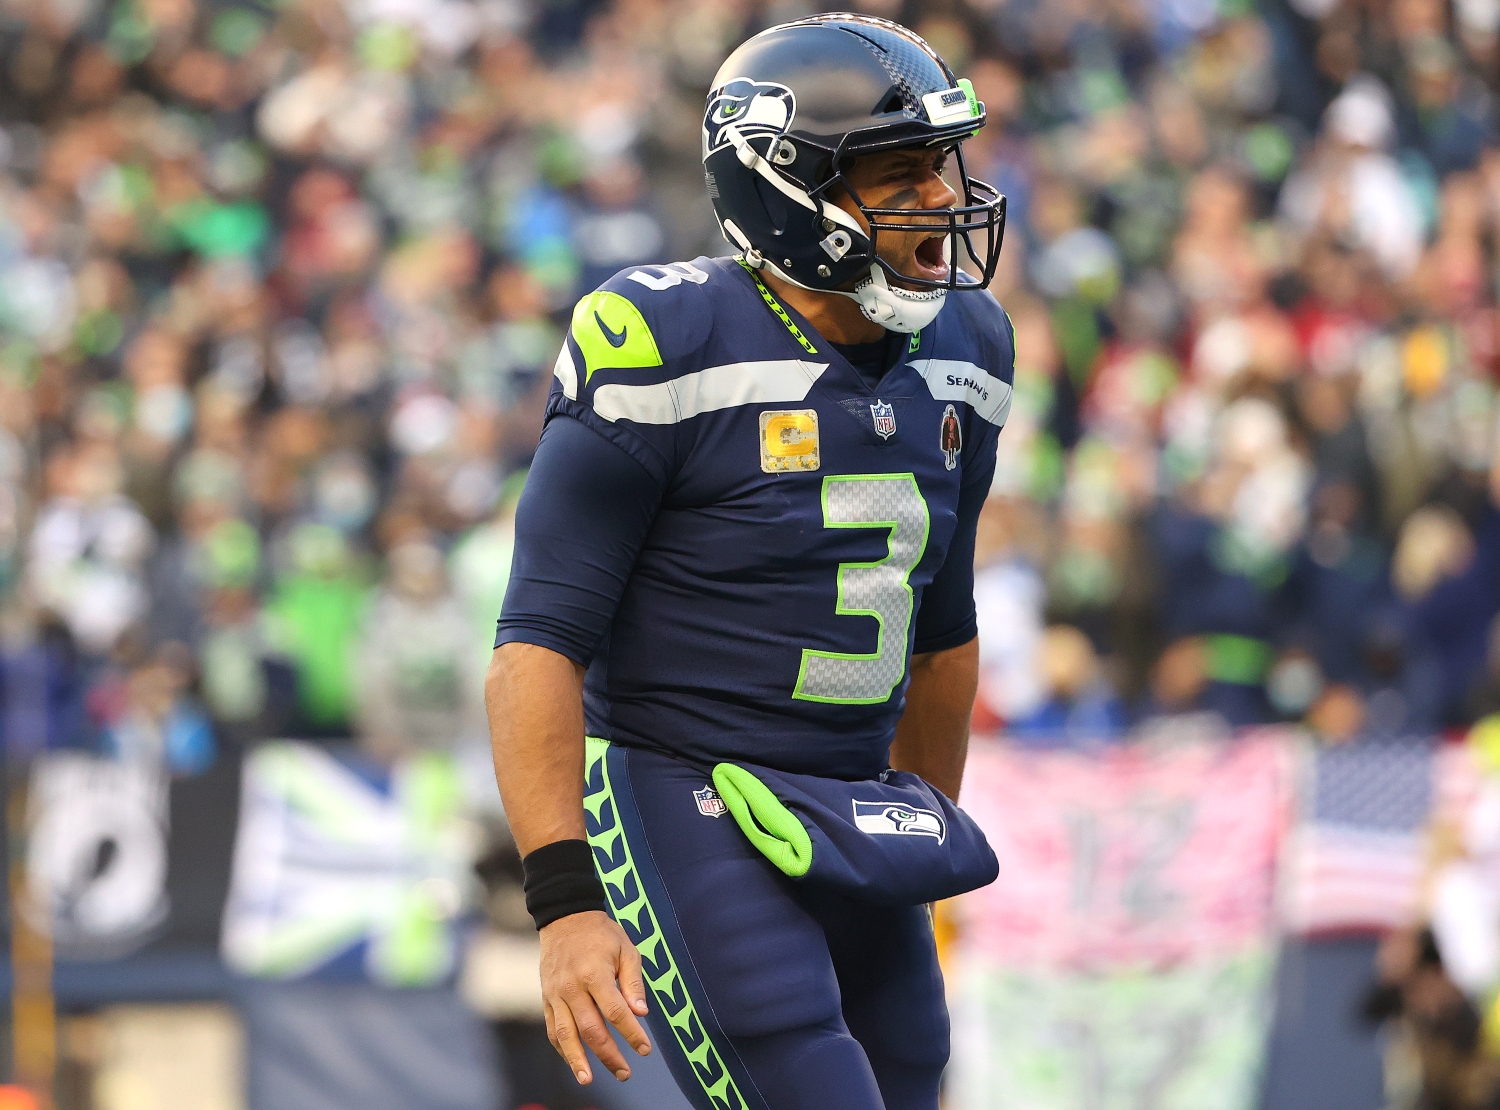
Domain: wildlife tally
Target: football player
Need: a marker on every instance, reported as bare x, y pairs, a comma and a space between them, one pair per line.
748, 537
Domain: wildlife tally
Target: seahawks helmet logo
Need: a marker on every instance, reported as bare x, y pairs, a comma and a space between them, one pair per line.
883, 818
754, 107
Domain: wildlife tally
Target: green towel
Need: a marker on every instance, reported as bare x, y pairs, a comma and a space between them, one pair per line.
766, 823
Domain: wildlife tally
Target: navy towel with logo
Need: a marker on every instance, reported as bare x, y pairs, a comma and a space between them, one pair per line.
895, 840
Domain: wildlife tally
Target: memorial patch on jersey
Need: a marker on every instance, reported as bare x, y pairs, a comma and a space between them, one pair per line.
788, 440
950, 437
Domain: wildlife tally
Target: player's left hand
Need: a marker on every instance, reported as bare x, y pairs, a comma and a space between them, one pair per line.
590, 968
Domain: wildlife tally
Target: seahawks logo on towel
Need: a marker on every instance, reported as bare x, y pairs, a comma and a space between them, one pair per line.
881, 818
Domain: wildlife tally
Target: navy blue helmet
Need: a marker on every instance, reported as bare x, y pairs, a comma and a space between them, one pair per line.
789, 112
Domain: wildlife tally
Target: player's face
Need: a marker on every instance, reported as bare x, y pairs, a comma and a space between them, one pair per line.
913, 179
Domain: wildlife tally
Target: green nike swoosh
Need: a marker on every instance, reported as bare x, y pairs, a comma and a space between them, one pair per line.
616, 339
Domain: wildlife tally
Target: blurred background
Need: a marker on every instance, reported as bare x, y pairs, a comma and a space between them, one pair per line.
281, 284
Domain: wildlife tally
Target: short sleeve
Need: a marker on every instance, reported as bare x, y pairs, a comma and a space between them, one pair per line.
580, 524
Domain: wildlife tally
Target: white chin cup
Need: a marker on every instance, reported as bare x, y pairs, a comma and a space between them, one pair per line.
896, 309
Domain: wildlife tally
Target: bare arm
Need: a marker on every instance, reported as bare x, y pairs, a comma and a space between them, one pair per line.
534, 697
932, 737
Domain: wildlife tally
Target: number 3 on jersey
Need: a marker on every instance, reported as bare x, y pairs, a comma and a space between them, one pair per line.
880, 589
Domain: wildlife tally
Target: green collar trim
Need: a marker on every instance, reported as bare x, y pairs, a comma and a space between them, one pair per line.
775, 306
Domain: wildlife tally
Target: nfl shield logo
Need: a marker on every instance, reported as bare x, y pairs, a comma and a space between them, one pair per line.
885, 419
709, 802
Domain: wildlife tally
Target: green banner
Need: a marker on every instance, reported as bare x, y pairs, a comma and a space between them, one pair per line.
1188, 1038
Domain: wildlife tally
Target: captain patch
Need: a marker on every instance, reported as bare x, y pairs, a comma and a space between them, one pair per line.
788, 440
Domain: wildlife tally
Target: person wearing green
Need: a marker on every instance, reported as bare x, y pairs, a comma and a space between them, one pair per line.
314, 615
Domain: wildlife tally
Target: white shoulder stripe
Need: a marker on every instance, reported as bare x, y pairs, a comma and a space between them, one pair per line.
953, 380
717, 387
566, 372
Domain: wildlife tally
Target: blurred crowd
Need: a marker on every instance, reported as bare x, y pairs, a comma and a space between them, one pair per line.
281, 284
1251, 269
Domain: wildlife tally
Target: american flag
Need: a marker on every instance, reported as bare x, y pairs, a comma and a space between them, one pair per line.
1356, 858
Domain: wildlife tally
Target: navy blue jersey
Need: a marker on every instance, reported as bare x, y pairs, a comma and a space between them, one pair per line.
767, 599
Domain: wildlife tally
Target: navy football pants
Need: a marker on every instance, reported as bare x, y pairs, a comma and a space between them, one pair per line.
763, 995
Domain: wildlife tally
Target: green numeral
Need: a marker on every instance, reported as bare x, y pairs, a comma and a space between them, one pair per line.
880, 589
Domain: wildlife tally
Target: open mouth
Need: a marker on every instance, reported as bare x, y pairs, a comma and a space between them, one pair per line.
931, 259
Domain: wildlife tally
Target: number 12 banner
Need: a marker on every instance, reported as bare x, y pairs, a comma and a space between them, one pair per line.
1131, 857
1123, 958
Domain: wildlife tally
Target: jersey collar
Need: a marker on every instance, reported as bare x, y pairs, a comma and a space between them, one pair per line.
899, 380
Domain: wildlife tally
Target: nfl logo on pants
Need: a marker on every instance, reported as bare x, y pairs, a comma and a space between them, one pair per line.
709, 802
884, 416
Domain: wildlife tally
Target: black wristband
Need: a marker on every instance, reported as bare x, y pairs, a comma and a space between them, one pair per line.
560, 880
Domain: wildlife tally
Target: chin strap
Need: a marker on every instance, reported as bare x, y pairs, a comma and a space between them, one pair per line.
894, 309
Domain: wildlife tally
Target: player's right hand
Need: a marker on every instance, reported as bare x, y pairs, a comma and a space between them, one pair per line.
589, 969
